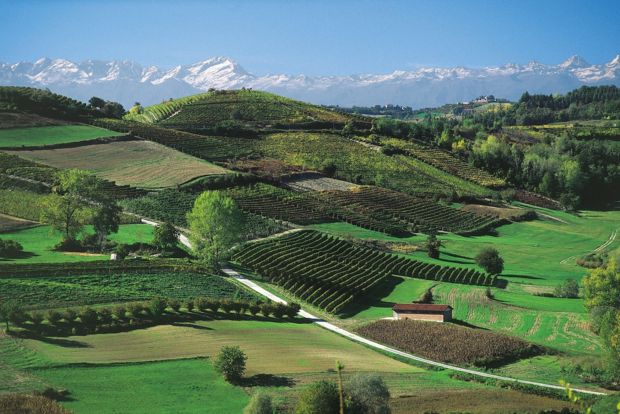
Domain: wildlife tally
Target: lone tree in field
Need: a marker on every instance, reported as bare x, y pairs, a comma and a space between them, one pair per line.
490, 260
230, 362
165, 237
106, 220
215, 223
8, 310
66, 209
432, 246
367, 394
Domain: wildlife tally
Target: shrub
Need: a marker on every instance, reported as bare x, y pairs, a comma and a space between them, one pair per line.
36, 317
174, 304
254, 308
230, 362
70, 315
568, 289
214, 305
89, 317
10, 248
320, 397
24, 403
279, 310
367, 394
490, 260
202, 304
259, 404
266, 309
227, 306
136, 309
105, 316
54, 317
189, 305
157, 307
120, 312
293, 309
122, 251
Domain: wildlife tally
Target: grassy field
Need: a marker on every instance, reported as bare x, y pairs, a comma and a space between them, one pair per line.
137, 163
49, 135
184, 386
39, 241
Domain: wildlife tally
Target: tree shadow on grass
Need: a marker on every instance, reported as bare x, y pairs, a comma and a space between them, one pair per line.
380, 291
191, 325
65, 343
266, 380
457, 255
467, 324
521, 276
19, 256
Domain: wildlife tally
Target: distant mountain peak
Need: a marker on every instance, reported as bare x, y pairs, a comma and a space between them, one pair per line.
127, 81
574, 61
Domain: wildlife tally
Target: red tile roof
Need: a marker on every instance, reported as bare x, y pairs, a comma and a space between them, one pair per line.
421, 307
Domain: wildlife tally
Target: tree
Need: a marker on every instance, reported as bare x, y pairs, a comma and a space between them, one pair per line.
490, 260
368, 394
432, 246
165, 237
320, 397
157, 307
602, 298
215, 223
259, 404
96, 102
106, 221
66, 210
8, 312
230, 362
113, 109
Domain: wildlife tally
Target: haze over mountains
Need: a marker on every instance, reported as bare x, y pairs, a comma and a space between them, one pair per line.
127, 81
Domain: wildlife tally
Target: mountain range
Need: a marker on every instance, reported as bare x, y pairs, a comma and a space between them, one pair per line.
127, 81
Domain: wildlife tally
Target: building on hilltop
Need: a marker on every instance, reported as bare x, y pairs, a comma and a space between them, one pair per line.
423, 312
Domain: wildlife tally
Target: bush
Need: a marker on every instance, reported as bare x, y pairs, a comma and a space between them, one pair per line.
189, 305
122, 251
568, 289
293, 309
54, 317
174, 304
254, 309
259, 404
266, 309
230, 362
279, 310
120, 312
367, 394
157, 307
105, 316
10, 249
490, 260
202, 304
70, 315
89, 317
320, 397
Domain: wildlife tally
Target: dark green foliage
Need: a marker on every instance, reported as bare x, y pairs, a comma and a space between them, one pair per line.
230, 362
106, 221
122, 250
432, 246
10, 248
367, 394
320, 397
490, 260
9, 312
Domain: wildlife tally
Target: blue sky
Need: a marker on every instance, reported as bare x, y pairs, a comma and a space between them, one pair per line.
313, 37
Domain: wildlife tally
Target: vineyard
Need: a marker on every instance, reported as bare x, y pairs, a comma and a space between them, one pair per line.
332, 273
447, 162
248, 108
206, 147
403, 211
356, 163
450, 343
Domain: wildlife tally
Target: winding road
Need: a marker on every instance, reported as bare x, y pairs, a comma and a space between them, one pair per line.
372, 344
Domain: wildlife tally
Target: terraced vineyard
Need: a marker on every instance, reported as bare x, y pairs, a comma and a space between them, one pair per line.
331, 273
447, 162
209, 148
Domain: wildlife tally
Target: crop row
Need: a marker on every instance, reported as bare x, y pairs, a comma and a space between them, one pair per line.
448, 163
206, 147
536, 200
330, 273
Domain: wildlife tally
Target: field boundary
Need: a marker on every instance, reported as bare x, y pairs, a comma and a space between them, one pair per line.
93, 141
610, 240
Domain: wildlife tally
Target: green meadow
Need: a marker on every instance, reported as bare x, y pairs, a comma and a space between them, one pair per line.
50, 135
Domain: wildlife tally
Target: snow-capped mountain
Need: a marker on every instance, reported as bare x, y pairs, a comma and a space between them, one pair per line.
127, 81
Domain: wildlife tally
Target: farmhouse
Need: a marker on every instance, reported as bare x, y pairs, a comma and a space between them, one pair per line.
423, 312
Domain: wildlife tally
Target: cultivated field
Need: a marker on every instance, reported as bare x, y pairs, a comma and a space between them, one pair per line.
137, 163
49, 135
309, 182
10, 223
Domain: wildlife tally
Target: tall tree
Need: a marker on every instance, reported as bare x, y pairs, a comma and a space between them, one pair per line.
165, 236
215, 223
106, 220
